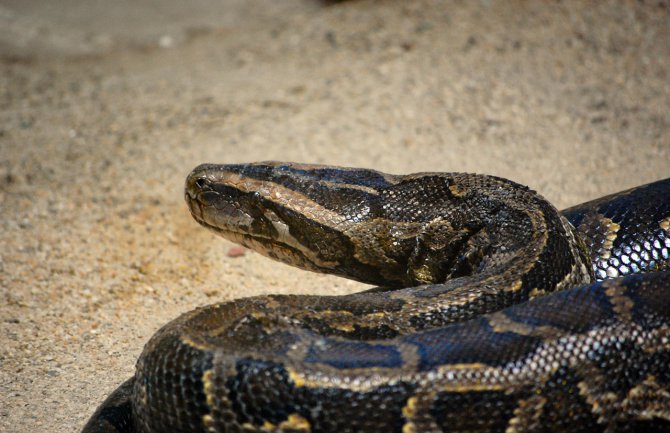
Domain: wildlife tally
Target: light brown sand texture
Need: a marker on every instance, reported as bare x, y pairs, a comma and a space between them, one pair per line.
106, 106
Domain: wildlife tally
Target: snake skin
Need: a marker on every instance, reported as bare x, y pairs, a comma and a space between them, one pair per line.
495, 312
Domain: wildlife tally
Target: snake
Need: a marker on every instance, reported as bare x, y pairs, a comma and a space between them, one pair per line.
492, 311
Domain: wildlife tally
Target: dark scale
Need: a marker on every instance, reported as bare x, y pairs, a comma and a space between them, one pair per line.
365, 411
496, 409
171, 380
626, 232
565, 408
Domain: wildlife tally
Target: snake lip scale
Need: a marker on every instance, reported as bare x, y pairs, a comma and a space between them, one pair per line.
494, 312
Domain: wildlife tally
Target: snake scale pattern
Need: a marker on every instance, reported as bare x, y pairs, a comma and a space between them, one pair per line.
494, 312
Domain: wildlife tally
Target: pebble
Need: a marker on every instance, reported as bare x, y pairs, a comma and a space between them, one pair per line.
236, 251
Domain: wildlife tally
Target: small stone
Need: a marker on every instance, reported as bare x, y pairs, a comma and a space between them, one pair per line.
236, 251
166, 41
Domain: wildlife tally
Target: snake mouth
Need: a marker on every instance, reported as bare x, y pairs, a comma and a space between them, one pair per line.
251, 225
266, 246
222, 217
225, 219
218, 206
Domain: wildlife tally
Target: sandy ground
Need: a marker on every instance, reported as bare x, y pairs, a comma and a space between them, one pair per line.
106, 106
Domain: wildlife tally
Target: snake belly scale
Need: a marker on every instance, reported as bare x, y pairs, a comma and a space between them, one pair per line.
494, 311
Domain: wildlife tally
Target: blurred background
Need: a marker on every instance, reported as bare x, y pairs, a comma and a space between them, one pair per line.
106, 106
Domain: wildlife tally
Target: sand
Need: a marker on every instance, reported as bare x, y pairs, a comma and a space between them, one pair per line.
106, 106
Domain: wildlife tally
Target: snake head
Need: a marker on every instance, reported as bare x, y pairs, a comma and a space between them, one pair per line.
314, 217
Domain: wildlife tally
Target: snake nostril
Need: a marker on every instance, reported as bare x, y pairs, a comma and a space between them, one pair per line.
201, 182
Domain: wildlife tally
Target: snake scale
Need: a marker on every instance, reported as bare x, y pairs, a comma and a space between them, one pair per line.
494, 311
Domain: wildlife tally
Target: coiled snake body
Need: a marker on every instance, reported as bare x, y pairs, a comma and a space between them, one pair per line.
490, 316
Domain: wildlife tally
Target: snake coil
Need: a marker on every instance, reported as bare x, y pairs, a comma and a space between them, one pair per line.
494, 311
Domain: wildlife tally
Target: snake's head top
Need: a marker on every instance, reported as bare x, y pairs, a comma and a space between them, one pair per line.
310, 216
